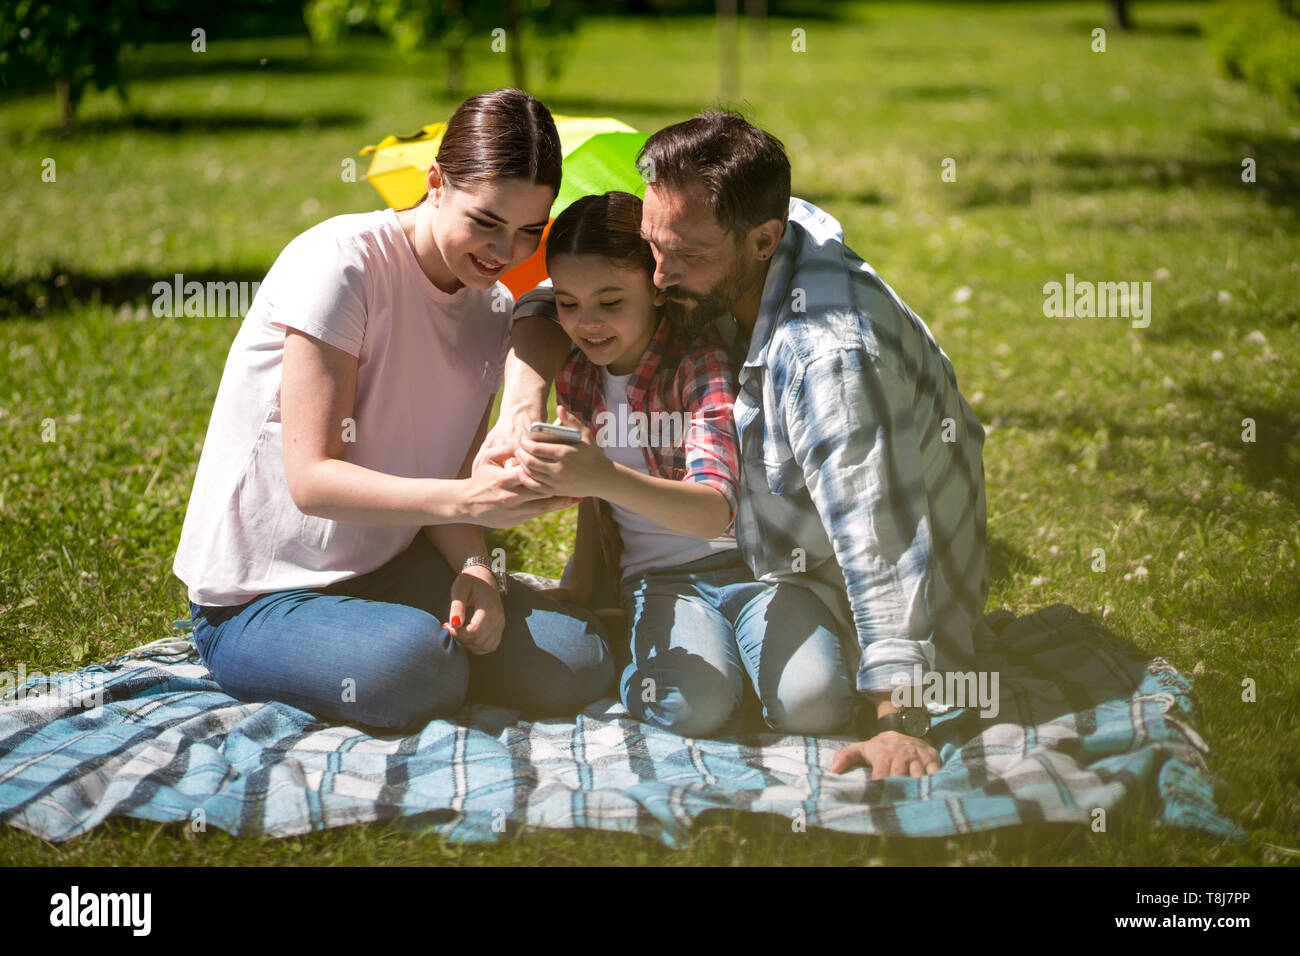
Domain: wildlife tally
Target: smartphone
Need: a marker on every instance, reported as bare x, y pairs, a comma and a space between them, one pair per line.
558, 433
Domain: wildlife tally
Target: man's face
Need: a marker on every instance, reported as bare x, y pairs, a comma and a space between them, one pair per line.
697, 264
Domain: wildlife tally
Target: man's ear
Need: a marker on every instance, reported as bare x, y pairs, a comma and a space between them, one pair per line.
764, 238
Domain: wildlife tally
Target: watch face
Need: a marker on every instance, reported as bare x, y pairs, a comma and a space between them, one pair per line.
916, 721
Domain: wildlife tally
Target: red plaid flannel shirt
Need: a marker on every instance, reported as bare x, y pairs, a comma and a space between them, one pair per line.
702, 391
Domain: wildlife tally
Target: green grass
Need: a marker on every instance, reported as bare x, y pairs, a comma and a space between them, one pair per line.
1124, 165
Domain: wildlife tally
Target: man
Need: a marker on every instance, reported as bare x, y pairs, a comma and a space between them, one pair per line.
862, 471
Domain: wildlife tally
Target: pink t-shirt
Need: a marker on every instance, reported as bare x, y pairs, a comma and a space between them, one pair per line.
428, 366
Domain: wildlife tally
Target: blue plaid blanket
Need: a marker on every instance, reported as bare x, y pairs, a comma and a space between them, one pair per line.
1084, 724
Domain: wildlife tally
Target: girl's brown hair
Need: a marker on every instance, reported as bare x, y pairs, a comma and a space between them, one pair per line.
505, 134
610, 226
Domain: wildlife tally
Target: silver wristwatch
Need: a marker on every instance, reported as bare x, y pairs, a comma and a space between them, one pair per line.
499, 575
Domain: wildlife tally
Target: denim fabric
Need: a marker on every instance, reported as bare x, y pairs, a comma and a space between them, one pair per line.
697, 631
372, 650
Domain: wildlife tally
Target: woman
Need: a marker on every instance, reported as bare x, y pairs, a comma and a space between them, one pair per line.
325, 549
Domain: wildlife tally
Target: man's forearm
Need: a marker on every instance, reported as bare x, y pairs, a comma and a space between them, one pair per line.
538, 348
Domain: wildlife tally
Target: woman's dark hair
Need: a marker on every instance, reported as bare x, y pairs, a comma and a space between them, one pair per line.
610, 226
744, 170
505, 134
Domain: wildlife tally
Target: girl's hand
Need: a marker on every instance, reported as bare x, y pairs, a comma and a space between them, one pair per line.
476, 605
555, 468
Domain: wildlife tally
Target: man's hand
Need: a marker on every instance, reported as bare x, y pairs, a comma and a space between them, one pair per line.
555, 468
476, 604
889, 754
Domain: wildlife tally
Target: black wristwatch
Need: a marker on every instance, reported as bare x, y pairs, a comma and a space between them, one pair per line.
499, 575
913, 721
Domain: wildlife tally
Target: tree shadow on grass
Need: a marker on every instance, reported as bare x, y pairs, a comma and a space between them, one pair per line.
1138, 27
1277, 169
941, 92
173, 124
58, 290
607, 105
833, 197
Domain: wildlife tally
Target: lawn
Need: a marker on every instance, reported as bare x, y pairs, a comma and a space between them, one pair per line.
1117, 166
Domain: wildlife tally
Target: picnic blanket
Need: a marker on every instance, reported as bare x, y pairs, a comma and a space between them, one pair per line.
1084, 722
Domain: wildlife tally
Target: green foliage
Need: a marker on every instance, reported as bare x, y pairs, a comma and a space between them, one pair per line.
449, 24
79, 41
1259, 41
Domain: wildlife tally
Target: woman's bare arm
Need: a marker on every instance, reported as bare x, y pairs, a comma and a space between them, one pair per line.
317, 392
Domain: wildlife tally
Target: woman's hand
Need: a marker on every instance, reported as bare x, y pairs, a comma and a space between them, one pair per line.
555, 468
497, 497
476, 605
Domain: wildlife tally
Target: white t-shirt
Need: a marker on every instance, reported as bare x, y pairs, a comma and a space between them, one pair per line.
428, 367
647, 545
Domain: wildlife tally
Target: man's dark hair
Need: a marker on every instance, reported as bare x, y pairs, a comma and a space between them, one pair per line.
743, 169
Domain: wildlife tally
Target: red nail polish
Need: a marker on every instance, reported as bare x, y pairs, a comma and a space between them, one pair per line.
455, 620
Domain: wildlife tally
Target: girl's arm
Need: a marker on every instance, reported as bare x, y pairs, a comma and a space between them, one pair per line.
687, 507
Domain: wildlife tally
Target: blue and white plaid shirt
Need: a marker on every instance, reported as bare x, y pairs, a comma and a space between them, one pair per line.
862, 469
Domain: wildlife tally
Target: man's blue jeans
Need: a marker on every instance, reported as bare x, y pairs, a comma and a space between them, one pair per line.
697, 631
372, 650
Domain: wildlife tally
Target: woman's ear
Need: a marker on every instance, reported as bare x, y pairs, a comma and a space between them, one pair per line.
660, 297
435, 183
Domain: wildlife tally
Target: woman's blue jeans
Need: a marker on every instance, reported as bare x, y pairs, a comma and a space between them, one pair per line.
372, 650
699, 630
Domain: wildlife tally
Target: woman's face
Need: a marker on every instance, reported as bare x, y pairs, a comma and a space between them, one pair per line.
606, 308
484, 231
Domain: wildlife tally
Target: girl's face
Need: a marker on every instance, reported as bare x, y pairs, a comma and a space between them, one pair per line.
607, 309
482, 232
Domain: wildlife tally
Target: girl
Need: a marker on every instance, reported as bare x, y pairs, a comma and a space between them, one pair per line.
659, 465
333, 547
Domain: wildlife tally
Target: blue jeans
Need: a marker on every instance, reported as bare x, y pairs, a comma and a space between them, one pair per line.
372, 650
697, 631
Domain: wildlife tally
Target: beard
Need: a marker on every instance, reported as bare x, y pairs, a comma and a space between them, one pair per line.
701, 308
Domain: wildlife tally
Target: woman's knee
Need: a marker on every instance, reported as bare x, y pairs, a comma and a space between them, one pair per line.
421, 676
404, 671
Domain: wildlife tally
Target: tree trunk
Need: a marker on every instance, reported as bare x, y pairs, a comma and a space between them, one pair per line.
1122, 21
727, 81
756, 14
454, 66
514, 46
63, 90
